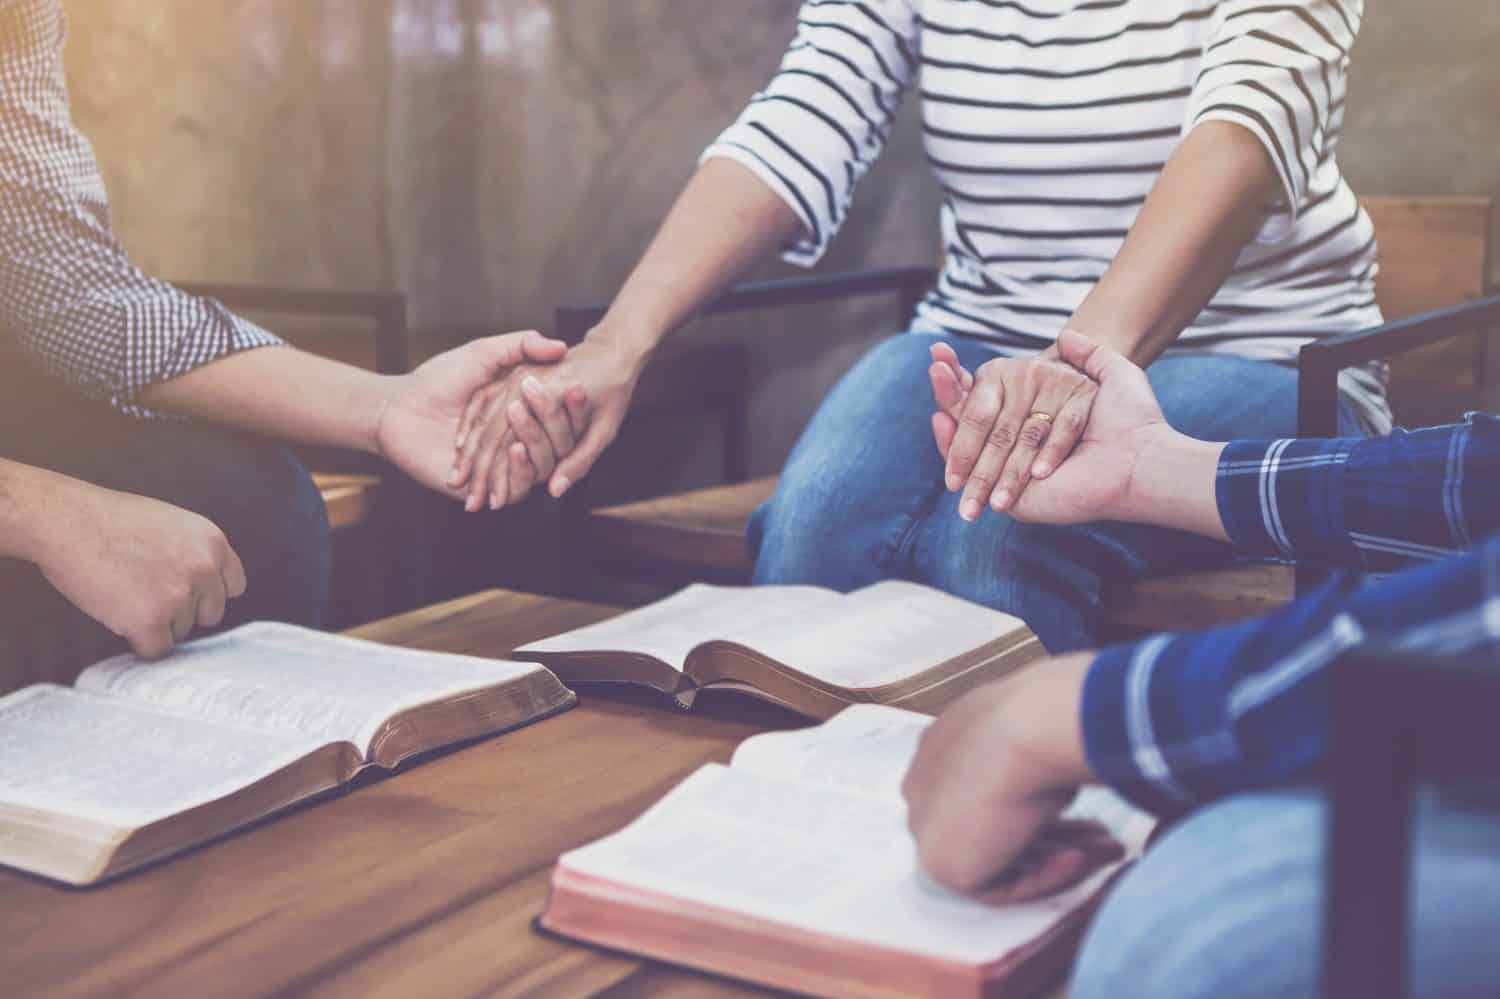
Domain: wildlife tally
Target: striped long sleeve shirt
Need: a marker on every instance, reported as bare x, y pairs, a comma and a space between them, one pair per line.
1178, 719
70, 298
1048, 121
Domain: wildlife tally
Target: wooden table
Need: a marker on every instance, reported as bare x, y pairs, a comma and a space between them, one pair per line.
421, 884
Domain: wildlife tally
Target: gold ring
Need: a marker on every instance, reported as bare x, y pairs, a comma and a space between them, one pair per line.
1039, 415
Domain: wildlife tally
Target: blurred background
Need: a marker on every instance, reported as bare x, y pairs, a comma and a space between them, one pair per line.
496, 158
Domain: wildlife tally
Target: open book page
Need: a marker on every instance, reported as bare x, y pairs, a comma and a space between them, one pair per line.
115, 763
669, 629
814, 859
865, 749
282, 678
879, 634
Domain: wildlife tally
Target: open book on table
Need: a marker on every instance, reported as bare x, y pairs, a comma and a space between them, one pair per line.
793, 867
813, 650
141, 760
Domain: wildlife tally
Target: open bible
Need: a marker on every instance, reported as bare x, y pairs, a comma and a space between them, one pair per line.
793, 867
813, 650
141, 760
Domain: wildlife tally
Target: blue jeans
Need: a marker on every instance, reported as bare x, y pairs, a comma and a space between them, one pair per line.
862, 498
1229, 904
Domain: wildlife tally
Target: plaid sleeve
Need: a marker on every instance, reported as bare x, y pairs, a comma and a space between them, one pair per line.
69, 294
1175, 720
1372, 504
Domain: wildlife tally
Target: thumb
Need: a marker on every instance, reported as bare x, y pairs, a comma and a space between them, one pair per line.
947, 393
1091, 357
497, 354
581, 459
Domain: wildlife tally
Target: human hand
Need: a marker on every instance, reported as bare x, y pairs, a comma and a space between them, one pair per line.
562, 442
146, 570
989, 780
1096, 482
423, 410
1020, 417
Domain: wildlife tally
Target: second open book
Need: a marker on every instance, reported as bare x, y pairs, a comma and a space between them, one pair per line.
813, 650
793, 867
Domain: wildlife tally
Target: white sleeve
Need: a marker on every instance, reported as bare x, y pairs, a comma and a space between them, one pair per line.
1280, 70
811, 134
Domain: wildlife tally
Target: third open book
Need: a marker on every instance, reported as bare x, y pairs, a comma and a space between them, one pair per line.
811, 649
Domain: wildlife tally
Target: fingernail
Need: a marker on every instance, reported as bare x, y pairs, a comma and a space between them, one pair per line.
1041, 470
969, 509
954, 482
471, 503
494, 501
1002, 499
531, 384
560, 485
458, 445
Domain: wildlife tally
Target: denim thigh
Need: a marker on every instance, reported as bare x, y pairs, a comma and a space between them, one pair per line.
862, 499
1230, 903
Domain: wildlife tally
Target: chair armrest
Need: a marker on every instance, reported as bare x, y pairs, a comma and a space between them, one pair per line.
1319, 362
386, 310
1398, 717
574, 321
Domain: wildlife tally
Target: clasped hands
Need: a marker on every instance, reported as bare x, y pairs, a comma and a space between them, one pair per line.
1055, 438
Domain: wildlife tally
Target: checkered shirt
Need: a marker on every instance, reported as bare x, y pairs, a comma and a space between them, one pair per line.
70, 299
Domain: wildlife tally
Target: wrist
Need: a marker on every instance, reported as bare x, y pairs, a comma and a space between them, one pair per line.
379, 399
631, 344
1173, 484
1043, 724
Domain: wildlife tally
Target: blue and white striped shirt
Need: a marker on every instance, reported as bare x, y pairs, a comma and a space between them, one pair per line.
1173, 720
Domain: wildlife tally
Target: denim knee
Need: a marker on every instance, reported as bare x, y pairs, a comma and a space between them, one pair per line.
1227, 904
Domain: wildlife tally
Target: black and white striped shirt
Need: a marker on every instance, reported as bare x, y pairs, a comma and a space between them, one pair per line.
69, 296
1048, 121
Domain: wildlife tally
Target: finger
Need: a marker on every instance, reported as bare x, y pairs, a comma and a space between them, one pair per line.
476, 405
1050, 870
542, 350
522, 475
548, 409
998, 444
943, 429
1078, 350
1067, 430
945, 355
575, 466
975, 423
1036, 425
183, 619
488, 444
153, 644
532, 440
947, 393
495, 398
576, 402
211, 601
232, 570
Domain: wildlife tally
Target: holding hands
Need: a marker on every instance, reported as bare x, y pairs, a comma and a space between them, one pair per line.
1080, 465
542, 424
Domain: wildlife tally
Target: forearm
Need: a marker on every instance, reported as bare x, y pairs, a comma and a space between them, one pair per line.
1209, 201
280, 392
723, 223
1176, 720
31, 501
1174, 484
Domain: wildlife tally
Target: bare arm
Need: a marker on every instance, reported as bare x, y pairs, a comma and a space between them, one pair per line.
1209, 201
724, 222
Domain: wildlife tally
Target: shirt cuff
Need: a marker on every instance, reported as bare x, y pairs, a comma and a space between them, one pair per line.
1281, 498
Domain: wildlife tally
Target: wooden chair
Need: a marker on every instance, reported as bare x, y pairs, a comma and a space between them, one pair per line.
1433, 252
360, 502
1398, 717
